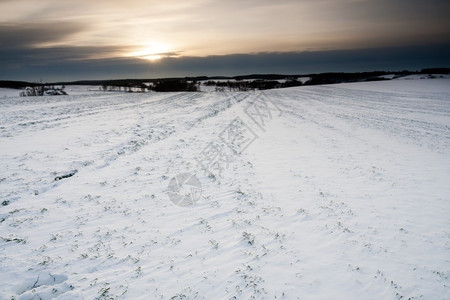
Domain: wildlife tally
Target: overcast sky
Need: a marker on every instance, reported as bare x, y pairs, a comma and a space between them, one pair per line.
81, 39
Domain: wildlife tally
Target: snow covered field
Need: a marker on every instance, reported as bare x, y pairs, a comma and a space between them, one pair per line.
332, 192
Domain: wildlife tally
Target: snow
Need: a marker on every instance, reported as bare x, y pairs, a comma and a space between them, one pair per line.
83, 89
341, 192
388, 76
424, 76
4, 92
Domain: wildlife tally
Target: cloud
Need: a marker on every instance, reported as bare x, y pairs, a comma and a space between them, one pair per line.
393, 58
22, 57
213, 27
27, 35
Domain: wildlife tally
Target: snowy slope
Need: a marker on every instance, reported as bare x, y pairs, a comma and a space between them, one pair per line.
6, 93
333, 192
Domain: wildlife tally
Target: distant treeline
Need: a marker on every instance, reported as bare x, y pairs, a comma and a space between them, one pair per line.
247, 82
247, 85
168, 85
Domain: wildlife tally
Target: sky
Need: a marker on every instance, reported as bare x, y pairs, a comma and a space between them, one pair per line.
104, 39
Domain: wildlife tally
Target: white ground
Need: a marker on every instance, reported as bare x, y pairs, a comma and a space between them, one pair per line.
345, 195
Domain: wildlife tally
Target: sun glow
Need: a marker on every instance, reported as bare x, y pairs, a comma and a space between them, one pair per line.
152, 52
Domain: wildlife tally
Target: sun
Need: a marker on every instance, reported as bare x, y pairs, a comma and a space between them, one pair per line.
154, 51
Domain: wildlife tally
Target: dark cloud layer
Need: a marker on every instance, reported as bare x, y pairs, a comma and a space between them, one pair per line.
24, 35
414, 57
27, 56
36, 65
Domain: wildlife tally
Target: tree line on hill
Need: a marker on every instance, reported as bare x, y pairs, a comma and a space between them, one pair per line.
236, 83
248, 85
171, 85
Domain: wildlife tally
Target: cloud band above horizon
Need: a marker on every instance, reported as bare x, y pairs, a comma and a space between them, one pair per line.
153, 38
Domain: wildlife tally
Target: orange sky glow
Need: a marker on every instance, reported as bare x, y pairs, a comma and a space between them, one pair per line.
156, 29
